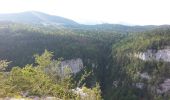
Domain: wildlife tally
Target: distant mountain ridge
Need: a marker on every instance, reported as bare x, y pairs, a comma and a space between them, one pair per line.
39, 18
34, 17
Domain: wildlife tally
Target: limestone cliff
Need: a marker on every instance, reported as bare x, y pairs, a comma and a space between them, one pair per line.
75, 64
162, 54
156, 55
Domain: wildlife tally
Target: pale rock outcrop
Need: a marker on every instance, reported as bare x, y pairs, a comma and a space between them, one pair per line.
156, 55
164, 87
163, 55
144, 75
75, 64
51, 98
139, 85
79, 91
115, 83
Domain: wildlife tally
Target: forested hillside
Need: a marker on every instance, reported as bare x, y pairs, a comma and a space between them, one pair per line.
108, 53
134, 78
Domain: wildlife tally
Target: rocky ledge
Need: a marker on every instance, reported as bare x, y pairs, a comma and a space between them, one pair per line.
158, 55
75, 64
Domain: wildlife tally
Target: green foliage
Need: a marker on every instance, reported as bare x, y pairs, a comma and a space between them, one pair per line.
19, 42
91, 94
129, 67
44, 60
83, 78
107, 48
44, 79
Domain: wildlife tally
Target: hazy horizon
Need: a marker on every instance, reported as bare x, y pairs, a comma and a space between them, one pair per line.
129, 12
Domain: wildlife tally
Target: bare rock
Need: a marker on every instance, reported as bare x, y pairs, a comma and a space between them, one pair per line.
139, 85
164, 87
163, 55
75, 64
79, 91
144, 75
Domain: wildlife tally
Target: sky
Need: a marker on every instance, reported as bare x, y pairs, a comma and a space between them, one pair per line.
132, 12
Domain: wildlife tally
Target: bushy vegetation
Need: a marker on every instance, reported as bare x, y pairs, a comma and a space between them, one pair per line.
43, 79
126, 67
19, 42
106, 50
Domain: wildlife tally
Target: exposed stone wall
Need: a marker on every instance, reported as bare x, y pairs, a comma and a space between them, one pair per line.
157, 55
75, 64
163, 54
164, 87
139, 85
144, 75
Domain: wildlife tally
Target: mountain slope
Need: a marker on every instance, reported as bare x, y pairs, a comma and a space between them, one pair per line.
134, 78
33, 17
104, 49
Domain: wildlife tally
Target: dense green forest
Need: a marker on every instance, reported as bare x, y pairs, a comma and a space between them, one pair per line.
105, 50
43, 79
125, 68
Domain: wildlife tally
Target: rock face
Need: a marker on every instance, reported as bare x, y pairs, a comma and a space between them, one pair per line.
163, 54
75, 64
79, 91
154, 55
139, 85
115, 83
164, 87
144, 75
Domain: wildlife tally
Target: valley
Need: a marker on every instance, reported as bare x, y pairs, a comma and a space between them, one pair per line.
115, 61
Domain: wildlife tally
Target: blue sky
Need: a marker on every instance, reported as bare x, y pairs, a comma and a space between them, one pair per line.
138, 12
